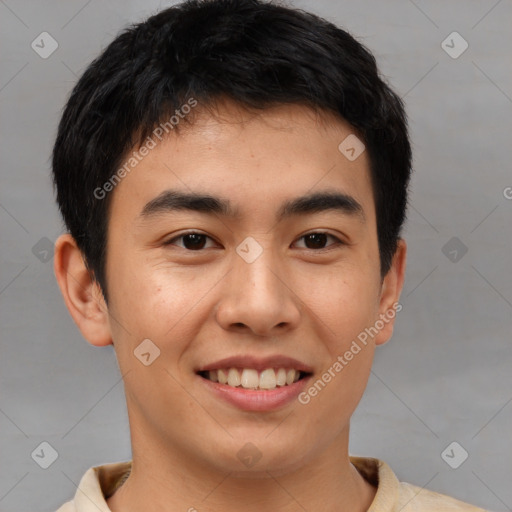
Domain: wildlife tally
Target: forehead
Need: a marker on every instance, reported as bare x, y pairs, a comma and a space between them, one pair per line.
254, 159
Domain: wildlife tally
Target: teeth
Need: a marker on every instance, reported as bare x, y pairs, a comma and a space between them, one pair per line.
281, 377
233, 377
268, 379
221, 375
248, 378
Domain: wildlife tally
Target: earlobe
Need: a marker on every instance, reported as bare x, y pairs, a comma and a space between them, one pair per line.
81, 293
391, 289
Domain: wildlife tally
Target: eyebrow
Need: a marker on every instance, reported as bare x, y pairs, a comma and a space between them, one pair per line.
174, 200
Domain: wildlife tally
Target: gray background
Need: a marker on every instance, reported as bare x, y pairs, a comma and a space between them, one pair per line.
445, 376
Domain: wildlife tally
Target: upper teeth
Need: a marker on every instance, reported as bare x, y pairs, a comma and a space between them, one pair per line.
249, 378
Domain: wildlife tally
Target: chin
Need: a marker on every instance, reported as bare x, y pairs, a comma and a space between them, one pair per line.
253, 456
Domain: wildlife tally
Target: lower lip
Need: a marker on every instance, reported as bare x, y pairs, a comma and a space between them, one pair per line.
257, 400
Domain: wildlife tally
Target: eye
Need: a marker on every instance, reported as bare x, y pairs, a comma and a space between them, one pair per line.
193, 240
317, 239
196, 241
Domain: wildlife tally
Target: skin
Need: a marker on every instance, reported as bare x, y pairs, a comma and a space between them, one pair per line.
201, 306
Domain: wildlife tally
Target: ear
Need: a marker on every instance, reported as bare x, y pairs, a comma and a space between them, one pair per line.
81, 293
391, 288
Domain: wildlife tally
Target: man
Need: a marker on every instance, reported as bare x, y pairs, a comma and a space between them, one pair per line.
233, 175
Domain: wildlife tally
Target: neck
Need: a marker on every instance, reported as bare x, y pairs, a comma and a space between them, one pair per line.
176, 482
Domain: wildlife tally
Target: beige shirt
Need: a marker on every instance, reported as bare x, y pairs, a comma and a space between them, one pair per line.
100, 482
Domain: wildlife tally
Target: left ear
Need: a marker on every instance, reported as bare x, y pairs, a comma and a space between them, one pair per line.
390, 294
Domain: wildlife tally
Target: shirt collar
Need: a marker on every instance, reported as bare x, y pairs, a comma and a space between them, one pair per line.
100, 482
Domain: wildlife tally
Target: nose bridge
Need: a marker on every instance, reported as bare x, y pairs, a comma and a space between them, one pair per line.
256, 268
257, 296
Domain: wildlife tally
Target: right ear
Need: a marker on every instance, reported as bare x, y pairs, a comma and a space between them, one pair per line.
82, 294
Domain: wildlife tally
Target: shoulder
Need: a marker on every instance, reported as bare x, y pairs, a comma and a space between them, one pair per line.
96, 485
412, 498
395, 496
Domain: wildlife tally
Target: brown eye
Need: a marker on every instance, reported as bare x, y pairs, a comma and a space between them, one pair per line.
317, 240
191, 241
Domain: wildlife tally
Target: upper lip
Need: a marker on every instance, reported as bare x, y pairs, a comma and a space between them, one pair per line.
257, 363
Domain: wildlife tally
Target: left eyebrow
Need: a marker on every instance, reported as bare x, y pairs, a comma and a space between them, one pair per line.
322, 201
174, 200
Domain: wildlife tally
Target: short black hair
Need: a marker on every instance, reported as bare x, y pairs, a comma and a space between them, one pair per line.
258, 54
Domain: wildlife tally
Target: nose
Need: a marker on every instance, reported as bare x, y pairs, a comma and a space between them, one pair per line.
259, 297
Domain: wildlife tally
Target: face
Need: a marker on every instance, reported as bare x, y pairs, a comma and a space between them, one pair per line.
263, 283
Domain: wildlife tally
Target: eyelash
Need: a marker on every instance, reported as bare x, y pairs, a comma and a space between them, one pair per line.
337, 243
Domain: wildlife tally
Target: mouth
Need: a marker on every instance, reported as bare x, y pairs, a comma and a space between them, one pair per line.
254, 383
254, 379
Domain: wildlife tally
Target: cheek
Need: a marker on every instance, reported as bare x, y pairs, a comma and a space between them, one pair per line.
346, 302
153, 308
346, 306
148, 305
346, 310
161, 302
